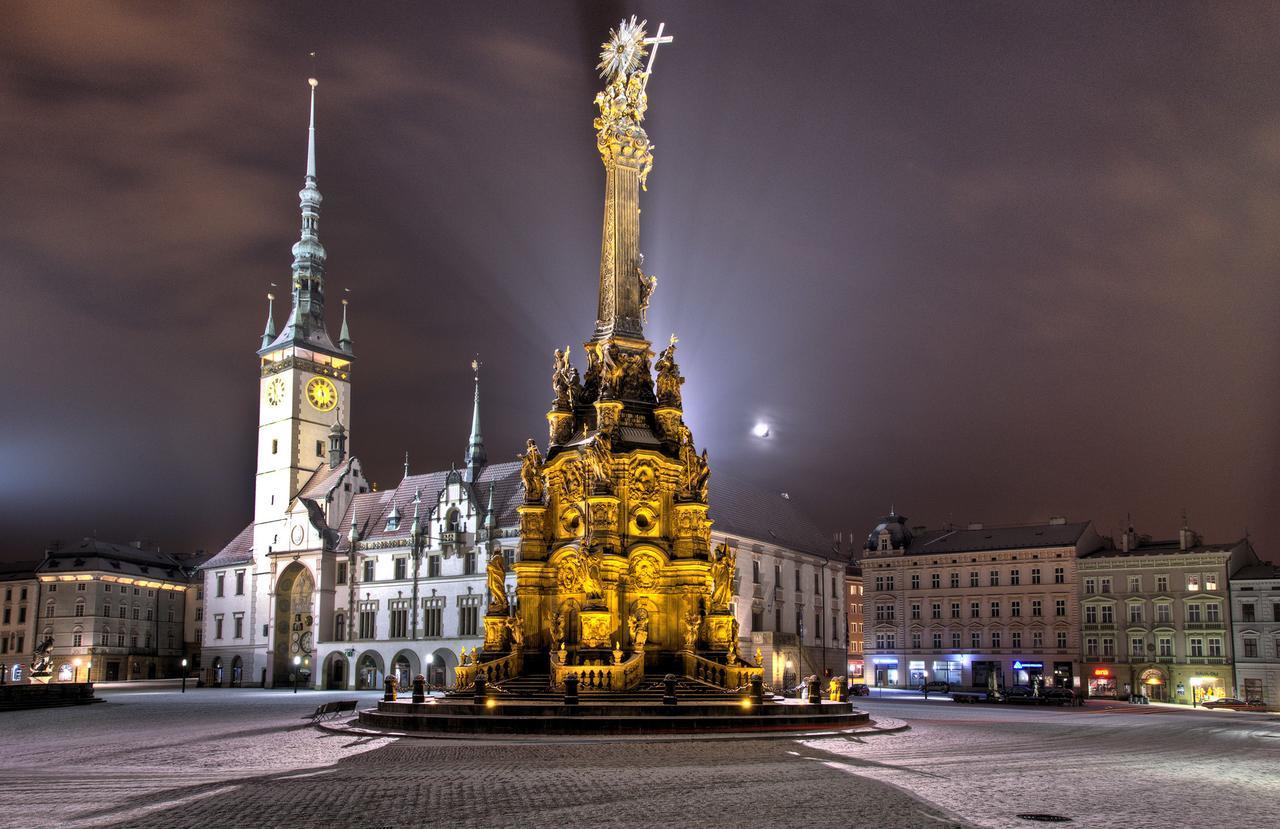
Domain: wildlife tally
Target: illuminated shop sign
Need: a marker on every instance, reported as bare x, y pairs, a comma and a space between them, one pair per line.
1022, 666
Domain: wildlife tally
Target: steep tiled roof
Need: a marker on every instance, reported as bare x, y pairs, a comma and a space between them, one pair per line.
1257, 571
238, 551
372, 508
740, 509
125, 559
1019, 537
323, 480
1165, 548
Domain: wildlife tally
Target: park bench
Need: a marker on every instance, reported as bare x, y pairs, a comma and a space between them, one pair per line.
332, 710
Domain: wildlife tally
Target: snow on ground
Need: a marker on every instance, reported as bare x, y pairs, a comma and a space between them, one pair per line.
220, 758
1103, 765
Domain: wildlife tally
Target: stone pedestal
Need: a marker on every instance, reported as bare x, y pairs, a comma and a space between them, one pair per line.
603, 513
597, 628
720, 633
495, 634
533, 522
692, 530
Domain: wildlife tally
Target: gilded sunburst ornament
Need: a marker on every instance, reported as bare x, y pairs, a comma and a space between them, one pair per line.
621, 54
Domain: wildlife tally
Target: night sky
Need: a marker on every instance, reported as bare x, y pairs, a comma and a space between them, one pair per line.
978, 261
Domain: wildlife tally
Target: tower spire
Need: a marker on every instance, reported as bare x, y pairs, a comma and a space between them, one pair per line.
476, 457
269, 333
344, 336
306, 319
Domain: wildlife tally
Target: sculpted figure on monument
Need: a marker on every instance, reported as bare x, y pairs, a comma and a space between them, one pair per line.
723, 564
638, 625
565, 381
516, 625
497, 582
610, 371
647, 284
592, 581
669, 379
597, 456
571, 481
531, 473
692, 624
697, 471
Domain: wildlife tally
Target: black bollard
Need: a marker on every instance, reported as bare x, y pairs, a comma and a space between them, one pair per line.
419, 688
571, 689
757, 689
389, 689
482, 689
815, 691
669, 690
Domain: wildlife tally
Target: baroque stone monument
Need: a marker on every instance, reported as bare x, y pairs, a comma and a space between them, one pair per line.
616, 576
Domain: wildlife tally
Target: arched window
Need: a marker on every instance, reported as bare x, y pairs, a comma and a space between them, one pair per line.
104, 636
451, 521
339, 627
77, 637
106, 609
79, 607
48, 609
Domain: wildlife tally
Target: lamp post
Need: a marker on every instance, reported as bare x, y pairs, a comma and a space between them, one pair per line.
297, 672
426, 664
184, 676
790, 665
75, 676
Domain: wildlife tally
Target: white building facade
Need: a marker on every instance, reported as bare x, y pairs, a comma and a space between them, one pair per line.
1255, 613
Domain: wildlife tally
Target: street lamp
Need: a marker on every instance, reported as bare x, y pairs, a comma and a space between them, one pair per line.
184, 676
297, 672
75, 676
426, 661
790, 667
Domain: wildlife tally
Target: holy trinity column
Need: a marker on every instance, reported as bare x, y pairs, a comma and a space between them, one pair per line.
615, 565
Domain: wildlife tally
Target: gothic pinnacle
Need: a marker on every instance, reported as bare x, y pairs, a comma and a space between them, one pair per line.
269, 333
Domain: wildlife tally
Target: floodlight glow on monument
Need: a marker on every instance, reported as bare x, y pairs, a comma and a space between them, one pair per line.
618, 588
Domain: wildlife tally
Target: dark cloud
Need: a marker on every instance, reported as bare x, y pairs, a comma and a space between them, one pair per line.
985, 262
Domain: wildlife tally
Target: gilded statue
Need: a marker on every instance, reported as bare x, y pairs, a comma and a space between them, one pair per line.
623, 101
647, 284
723, 564
497, 582
692, 625
669, 379
638, 625
597, 456
565, 381
571, 482
557, 627
531, 473
610, 371
592, 581
697, 471
516, 625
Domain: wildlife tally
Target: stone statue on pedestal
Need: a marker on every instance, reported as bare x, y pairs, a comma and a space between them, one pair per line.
497, 583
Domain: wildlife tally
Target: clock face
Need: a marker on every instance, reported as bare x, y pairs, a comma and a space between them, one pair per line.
322, 394
275, 391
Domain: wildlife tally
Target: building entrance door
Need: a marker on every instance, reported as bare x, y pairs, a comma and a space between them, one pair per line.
113, 671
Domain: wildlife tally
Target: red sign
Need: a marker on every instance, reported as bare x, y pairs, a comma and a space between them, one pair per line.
1102, 672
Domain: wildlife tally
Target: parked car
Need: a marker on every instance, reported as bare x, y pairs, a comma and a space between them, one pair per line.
1019, 692
935, 687
1233, 703
1059, 696
859, 689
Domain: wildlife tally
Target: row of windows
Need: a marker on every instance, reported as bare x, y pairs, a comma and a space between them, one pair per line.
1249, 612
777, 578
886, 582
432, 620
1249, 647
1197, 646
107, 587
22, 594
220, 579
887, 641
1196, 612
889, 612
402, 569
1195, 582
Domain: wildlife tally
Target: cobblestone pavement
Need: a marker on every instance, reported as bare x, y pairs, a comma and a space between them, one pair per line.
243, 758
1106, 765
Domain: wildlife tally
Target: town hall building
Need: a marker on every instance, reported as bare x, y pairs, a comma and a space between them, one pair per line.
336, 585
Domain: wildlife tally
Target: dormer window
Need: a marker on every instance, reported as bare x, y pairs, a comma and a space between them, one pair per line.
884, 542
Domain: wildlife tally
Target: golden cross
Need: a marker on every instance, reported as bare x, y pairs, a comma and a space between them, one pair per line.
655, 41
